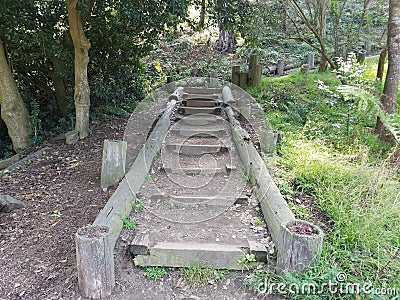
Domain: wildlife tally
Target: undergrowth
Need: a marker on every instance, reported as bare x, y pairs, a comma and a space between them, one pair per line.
331, 153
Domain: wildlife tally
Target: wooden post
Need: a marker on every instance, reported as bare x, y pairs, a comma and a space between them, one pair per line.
311, 60
113, 164
252, 66
304, 68
235, 74
227, 95
253, 61
361, 56
280, 67
299, 251
243, 77
213, 79
95, 262
257, 75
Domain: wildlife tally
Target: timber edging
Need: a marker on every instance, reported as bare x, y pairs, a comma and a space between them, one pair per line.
110, 218
294, 253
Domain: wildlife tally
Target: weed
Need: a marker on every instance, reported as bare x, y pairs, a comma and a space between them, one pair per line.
248, 261
246, 178
155, 273
129, 224
137, 204
56, 213
259, 222
199, 274
149, 177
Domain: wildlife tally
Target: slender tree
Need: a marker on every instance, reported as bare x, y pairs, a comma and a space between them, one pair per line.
13, 109
390, 90
77, 16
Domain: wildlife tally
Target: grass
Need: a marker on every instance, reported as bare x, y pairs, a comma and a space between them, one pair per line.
331, 153
137, 204
199, 274
155, 273
128, 223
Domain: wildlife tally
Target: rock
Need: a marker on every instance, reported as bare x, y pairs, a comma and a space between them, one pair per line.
8, 203
71, 137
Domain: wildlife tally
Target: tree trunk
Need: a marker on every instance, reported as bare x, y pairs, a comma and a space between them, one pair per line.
381, 63
60, 92
390, 90
322, 6
81, 61
202, 14
226, 41
13, 109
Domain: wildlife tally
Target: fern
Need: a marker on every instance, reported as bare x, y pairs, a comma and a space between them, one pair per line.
369, 104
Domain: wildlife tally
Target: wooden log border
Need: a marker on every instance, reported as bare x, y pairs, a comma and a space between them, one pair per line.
276, 212
119, 205
23, 161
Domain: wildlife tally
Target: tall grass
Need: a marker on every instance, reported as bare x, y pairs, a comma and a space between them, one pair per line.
357, 191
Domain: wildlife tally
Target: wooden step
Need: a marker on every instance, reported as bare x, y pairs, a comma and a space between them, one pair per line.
188, 149
201, 90
200, 110
201, 120
198, 131
199, 102
184, 201
194, 171
214, 97
170, 254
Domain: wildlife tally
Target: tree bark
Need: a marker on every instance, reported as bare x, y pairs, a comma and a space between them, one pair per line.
81, 61
202, 14
13, 109
226, 41
390, 90
381, 63
321, 8
60, 92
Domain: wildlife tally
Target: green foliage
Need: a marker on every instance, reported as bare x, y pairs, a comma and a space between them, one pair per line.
155, 273
248, 261
128, 223
137, 205
369, 108
199, 274
335, 158
39, 48
350, 195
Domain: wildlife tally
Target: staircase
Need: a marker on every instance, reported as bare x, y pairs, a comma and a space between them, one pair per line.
198, 206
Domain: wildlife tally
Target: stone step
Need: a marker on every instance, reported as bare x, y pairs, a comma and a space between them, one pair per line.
198, 170
185, 201
200, 110
170, 254
198, 102
194, 171
200, 90
197, 149
199, 131
202, 119
226, 201
214, 97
